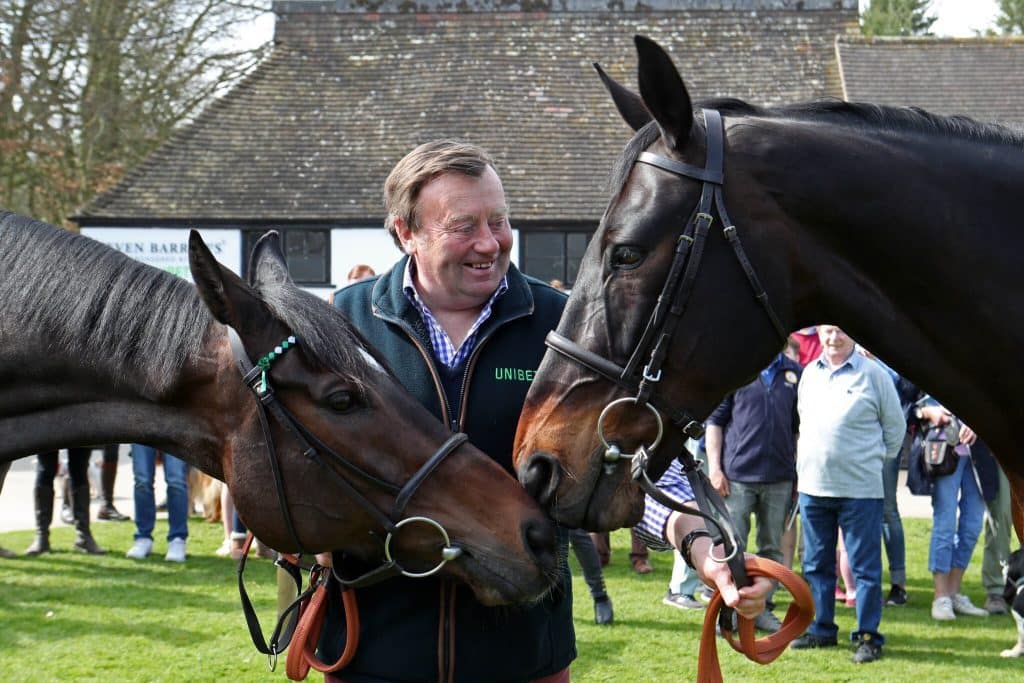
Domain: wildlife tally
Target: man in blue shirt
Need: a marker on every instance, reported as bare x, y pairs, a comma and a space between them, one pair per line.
850, 423
751, 447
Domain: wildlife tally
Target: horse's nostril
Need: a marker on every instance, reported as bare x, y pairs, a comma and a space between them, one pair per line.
540, 538
540, 478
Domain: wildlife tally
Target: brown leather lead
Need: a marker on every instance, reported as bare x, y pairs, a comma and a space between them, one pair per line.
302, 654
761, 650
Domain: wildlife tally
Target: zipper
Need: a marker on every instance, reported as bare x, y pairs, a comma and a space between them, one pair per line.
427, 358
446, 672
472, 363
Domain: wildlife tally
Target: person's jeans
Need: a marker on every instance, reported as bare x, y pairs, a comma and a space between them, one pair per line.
861, 521
892, 523
953, 539
176, 476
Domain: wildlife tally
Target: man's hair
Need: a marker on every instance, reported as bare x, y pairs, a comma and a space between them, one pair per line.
419, 167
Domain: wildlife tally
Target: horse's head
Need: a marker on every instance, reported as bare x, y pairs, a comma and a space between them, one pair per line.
717, 342
340, 453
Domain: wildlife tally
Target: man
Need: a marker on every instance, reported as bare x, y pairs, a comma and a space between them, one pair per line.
751, 447
850, 423
448, 317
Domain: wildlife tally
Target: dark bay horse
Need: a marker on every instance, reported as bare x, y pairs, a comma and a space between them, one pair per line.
900, 226
98, 348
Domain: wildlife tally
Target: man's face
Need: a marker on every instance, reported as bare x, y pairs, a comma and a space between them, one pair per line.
837, 344
463, 242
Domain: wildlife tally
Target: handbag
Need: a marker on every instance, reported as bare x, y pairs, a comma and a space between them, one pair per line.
939, 457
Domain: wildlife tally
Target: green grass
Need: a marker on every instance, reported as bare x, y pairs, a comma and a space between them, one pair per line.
71, 617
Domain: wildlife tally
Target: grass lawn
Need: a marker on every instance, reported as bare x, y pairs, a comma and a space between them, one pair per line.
71, 617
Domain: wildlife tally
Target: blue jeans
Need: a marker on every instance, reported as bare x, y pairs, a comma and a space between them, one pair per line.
176, 476
952, 542
861, 521
892, 523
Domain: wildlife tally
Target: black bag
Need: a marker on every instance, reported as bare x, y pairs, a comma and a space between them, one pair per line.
939, 459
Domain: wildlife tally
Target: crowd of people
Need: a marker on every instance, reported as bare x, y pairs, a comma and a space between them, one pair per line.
818, 436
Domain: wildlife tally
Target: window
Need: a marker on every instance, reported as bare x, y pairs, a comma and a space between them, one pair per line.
553, 255
307, 253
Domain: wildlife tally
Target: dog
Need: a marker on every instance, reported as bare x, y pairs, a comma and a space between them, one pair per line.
204, 494
1013, 593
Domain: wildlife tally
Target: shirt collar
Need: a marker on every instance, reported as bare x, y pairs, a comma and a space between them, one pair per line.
854, 361
413, 294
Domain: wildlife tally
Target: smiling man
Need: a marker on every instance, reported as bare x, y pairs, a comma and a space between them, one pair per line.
464, 331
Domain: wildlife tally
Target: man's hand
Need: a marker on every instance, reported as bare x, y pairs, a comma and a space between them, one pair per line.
720, 483
937, 415
967, 435
748, 601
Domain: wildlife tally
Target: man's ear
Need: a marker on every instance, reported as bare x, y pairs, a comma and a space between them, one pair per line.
405, 235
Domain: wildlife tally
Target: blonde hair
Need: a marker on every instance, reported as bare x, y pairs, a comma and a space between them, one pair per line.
420, 166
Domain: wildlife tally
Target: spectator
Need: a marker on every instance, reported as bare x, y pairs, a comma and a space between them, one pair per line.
997, 538
46, 472
751, 448
850, 422
108, 475
638, 555
176, 477
5, 554
590, 564
358, 273
954, 535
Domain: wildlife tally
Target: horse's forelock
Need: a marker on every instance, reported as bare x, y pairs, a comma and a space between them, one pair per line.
324, 334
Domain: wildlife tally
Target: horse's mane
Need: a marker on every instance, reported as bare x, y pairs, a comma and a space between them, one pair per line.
130, 321
867, 116
86, 300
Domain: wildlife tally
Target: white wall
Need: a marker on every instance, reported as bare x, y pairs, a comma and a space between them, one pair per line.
167, 248
374, 247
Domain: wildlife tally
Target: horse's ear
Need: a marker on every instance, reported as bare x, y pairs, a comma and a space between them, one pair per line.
663, 93
267, 266
229, 299
629, 104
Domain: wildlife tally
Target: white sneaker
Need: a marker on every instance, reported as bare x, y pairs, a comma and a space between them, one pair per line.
175, 550
225, 548
140, 549
963, 605
942, 609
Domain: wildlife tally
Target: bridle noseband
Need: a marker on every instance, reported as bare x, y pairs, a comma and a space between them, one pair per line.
256, 378
642, 372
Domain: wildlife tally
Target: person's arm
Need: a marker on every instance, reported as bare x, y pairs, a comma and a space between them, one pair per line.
749, 601
713, 438
894, 425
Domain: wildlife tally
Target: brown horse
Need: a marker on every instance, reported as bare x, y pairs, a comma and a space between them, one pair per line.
98, 348
900, 226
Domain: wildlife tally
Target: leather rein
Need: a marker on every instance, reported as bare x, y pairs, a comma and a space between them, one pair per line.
256, 378
641, 376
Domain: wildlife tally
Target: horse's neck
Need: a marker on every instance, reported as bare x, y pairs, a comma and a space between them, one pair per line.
917, 261
49, 401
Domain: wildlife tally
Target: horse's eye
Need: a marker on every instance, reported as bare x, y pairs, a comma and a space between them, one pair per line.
341, 401
626, 257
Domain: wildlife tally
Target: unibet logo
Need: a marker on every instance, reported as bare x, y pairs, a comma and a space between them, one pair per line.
513, 375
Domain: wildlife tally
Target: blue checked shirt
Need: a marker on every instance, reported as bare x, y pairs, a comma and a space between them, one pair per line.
444, 350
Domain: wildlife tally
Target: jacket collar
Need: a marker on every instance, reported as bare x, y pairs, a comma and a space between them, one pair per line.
390, 302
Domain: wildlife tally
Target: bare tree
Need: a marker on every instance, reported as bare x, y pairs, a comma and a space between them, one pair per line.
89, 88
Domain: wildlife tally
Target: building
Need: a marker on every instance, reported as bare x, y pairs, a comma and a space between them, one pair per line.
304, 143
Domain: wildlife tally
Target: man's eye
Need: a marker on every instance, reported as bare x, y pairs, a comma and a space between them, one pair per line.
626, 257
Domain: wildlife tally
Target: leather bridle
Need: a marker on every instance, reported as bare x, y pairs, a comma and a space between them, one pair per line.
642, 372
256, 378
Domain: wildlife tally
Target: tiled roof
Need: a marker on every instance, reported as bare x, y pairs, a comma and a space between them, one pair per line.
976, 77
313, 132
